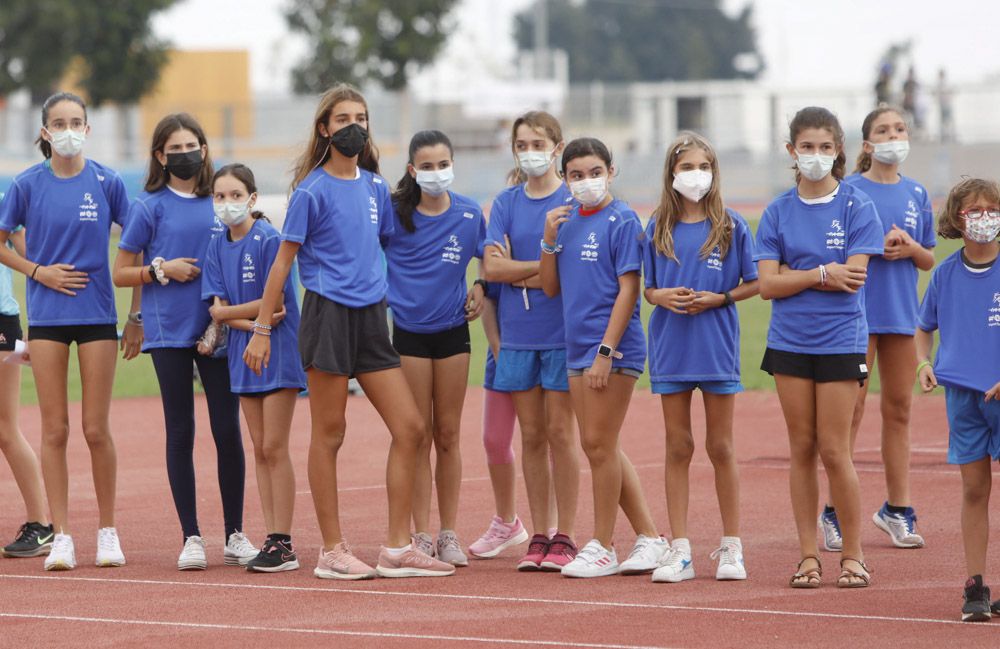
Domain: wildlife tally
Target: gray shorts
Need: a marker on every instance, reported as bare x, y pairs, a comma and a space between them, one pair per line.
342, 340
627, 371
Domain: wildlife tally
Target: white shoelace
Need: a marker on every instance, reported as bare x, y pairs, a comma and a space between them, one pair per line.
193, 545
240, 543
674, 557
449, 542
725, 554
62, 544
107, 540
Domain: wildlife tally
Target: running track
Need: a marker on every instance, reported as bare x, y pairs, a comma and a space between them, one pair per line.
915, 598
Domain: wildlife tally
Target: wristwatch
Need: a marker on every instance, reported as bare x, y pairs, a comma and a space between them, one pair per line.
135, 318
608, 352
729, 299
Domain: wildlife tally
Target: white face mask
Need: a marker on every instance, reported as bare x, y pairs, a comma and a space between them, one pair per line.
67, 143
232, 213
435, 182
694, 184
814, 166
892, 152
590, 191
535, 163
984, 229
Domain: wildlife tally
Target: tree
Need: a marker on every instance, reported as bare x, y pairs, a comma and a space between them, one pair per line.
34, 48
359, 40
655, 40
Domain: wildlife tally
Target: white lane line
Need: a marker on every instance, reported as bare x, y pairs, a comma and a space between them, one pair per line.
508, 600
334, 632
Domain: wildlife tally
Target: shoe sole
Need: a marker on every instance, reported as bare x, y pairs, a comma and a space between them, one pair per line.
882, 525
59, 566
509, 543
607, 572
458, 563
192, 565
284, 567
684, 575
237, 561
978, 616
719, 577
636, 571
27, 554
529, 566
548, 566
411, 572
109, 564
330, 574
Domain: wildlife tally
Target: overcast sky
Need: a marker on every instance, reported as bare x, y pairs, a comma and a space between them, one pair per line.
806, 44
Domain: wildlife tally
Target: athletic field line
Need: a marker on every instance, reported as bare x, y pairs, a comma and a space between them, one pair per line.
506, 600
306, 631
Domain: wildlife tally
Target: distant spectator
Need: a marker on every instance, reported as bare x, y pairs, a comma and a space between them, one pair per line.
944, 94
910, 90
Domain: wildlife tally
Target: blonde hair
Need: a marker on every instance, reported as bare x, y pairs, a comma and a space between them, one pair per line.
537, 120
948, 219
669, 210
318, 150
864, 161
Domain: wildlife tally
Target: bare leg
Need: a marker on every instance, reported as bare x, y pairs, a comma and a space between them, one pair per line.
451, 378
20, 456
798, 404
278, 410
680, 451
327, 403
419, 373
50, 363
565, 459
719, 444
897, 367
977, 481
530, 407
253, 411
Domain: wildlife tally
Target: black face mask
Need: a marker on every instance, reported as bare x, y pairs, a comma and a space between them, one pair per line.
184, 165
350, 140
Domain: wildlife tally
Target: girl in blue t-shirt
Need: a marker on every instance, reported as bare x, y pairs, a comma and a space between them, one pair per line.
339, 217
67, 205
236, 266
591, 254
437, 235
698, 259
169, 227
891, 309
813, 245
962, 302
532, 360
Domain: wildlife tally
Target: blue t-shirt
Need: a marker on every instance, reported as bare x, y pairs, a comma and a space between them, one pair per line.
426, 268
805, 236
68, 221
596, 250
522, 219
711, 347
341, 225
891, 287
8, 305
236, 271
165, 224
965, 307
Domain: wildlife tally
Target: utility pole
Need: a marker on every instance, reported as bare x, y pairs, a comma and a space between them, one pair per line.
542, 64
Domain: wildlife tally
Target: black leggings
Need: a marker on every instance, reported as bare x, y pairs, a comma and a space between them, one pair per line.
175, 373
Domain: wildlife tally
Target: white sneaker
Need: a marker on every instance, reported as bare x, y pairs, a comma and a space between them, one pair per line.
594, 560
109, 550
62, 556
730, 556
645, 556
829, 527
193, 555
676, 565
239, 550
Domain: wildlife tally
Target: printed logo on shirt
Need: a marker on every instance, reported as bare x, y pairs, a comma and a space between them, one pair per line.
452, 253
468, 215
373, 209
714, 261
912, 214
835, 238
588, 251
993, 319
88, 209
249, 269
218, 226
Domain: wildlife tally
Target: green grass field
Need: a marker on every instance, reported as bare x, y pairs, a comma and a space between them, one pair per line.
136, 378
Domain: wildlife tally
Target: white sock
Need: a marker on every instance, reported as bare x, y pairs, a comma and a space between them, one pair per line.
395, 552
732, 540
682, 545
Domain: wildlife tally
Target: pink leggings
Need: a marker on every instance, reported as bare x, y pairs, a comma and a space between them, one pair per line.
498, 427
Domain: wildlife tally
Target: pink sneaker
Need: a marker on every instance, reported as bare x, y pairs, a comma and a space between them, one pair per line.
561, 551
537, 549
412, 563
498, 538
339, 563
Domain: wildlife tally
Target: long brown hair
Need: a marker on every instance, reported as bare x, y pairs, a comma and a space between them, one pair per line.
537, 120
157, 176
318, 150
669, 210
864, 161
948, 219
406, 196
818, 117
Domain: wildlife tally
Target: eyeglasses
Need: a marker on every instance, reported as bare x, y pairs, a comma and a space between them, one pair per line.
972, 215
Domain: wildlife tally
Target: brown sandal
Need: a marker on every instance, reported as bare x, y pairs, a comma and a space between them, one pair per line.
807, 578
846, 576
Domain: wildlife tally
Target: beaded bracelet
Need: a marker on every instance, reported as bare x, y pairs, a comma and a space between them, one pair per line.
822, 275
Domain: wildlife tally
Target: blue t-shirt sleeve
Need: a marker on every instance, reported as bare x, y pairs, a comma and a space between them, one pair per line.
118, 198
12, 208
743, 246
927, 318
211, 274
649, 254
480, 234
269, 252
768, 243
928, 238
387, 217
138, 229
498, 224
626, 244
302, 210
866, 236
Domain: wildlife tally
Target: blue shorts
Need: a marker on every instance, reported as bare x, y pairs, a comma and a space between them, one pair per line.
973, 426
712, 387
523, 369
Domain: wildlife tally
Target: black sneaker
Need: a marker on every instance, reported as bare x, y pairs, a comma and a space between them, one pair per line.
275, 556
32, 540
977, 601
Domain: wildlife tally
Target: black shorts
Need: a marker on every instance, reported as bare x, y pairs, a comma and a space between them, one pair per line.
821, 368
261, 394
339, 339
10, 332
80, 334
436, 346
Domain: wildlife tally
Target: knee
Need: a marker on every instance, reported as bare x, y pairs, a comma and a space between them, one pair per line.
96, 434
720, 451
680, 448
329, 435
446, 438
56, 435
835, 457
533, 440
975, 493
895, 414
271, 453
560, 434
412, 435
598, 451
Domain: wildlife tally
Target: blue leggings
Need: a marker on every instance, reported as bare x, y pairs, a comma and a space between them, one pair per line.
174, 371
